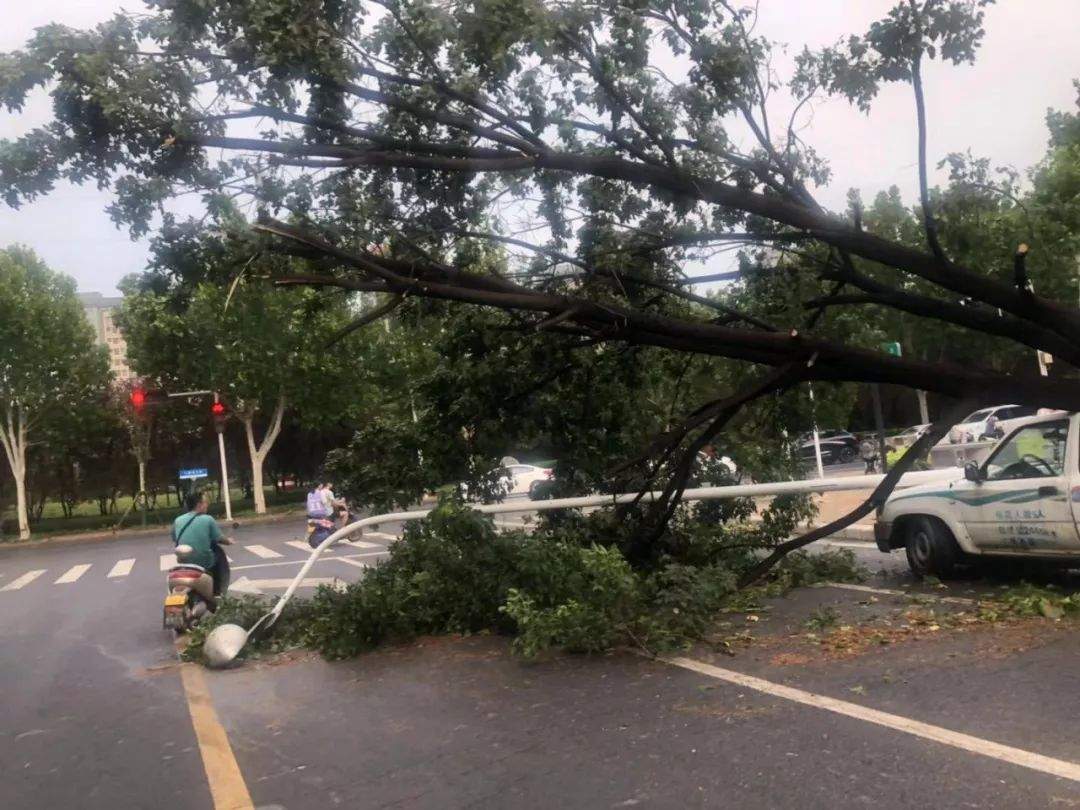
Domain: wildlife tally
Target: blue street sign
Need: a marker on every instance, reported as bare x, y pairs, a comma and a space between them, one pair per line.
193, 474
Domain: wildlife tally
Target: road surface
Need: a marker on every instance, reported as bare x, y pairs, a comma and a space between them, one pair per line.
98, 715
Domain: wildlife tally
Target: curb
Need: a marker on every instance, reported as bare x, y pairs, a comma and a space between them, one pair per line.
863, 534
84, 538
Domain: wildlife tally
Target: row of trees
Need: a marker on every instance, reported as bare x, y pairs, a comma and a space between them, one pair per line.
51, 374
200, 320
70, 432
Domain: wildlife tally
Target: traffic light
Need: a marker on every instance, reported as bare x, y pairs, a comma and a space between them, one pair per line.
143, 401
220, 414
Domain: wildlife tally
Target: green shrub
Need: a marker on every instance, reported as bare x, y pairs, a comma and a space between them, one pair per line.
448, 574
562, 587
580, 599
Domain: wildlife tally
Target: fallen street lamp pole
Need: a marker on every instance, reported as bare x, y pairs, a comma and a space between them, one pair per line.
226, 641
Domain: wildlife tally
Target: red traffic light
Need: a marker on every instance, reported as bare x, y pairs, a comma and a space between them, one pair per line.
138, 399
220, 414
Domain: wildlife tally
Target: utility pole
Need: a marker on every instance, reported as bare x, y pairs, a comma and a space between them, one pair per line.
879, 422
817, 439
892, 348
924, 412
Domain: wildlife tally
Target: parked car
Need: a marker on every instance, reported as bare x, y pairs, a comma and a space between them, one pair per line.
974, 425
1023, 501
837, 447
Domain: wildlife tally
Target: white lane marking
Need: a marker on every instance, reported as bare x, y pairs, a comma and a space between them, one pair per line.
122, 568
301, 562
851, 586
263, 551
349, 561
389, 538
956, 739
256, 586
72, 574
25, 579
300, 544
167, 561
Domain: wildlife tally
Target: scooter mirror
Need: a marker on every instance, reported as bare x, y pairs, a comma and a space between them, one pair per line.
223, 644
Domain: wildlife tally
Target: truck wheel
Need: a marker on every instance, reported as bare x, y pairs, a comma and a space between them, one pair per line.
931, 548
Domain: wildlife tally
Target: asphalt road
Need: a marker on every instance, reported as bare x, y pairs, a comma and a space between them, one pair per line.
96, 711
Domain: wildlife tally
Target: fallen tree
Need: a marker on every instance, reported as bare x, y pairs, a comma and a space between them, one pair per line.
393, 137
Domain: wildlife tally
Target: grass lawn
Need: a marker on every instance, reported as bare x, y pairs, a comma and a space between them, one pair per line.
87, 517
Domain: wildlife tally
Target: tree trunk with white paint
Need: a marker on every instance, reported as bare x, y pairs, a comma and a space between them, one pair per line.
260, 450
142, 483
13, 435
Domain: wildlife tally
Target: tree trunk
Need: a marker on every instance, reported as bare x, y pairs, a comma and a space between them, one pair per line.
13, 439
20, 505
259, 450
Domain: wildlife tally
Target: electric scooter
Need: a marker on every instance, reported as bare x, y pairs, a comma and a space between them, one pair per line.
189, 591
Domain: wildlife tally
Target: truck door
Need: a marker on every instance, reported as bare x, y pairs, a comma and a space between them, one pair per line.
1024, 502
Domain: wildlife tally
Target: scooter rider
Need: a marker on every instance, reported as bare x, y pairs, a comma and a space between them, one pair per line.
317, 506
197, 529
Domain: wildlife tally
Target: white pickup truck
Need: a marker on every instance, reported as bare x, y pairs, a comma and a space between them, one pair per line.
1023, 501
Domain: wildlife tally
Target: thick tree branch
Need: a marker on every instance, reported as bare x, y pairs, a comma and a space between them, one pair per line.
831, 360
929, 223
822, 226
365, 318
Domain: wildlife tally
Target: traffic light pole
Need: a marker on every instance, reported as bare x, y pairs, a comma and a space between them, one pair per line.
224, 477
224, 468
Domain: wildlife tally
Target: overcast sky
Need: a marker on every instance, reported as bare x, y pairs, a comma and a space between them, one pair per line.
996, 108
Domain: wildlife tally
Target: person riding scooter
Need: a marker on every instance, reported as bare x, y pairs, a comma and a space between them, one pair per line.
320, 514
199, 531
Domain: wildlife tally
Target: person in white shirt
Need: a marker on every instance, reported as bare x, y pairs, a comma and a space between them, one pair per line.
335, 506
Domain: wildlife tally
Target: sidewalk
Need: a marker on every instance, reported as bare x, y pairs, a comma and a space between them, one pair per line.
833, 505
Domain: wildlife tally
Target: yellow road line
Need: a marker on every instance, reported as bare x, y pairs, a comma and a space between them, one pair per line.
227, 786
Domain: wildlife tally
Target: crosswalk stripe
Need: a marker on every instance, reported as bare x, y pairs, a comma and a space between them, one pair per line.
300, 544
72, 574
167, 561
263, 551
25, 579
122, 568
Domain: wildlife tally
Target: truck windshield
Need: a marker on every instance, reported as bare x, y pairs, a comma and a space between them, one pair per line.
1034, 451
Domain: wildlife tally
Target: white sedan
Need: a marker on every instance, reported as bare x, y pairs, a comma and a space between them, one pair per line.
520, 479
525, 479
974, 425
